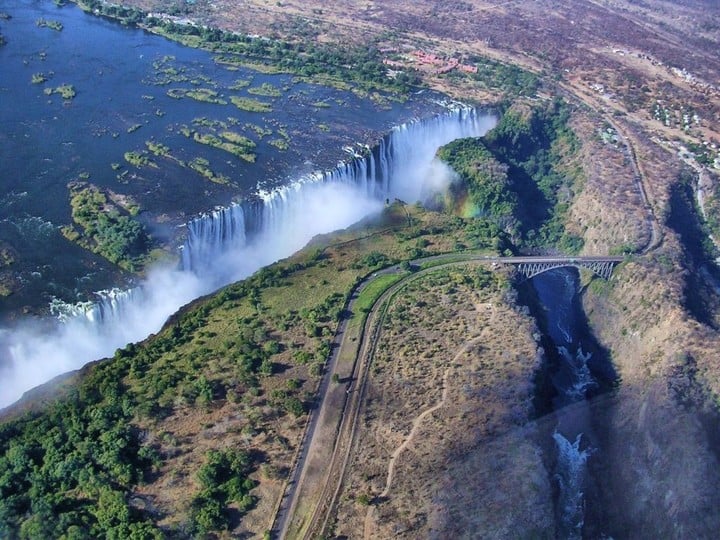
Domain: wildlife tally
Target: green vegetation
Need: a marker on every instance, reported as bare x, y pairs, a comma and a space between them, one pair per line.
224, 479
146, 421
126, 15
514, 80
369, 295
356, 67
66, 473
519, 175
105, 229
280, 144
205, 95
157, 148
67, 91
45, 23
139, 159
250, 104
202, 166
265, 89
486, 184
258, 130
229, 141
239, 84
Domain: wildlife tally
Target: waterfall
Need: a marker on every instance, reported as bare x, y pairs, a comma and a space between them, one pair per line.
231, 243
399, 166
110, 303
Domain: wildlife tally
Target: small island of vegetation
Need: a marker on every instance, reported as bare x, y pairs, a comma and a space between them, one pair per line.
66, 91
45, 23
250, 104
105, 228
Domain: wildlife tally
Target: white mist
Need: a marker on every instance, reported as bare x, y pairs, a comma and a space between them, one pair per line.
230, 244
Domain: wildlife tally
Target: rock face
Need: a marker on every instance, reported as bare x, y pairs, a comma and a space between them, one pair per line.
660, 471
656, 470
658, 457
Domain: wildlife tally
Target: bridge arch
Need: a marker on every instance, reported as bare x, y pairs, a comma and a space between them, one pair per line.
601, 268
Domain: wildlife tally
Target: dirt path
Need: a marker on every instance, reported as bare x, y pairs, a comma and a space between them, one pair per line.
417, 422
399, 450
332, 433
656, 236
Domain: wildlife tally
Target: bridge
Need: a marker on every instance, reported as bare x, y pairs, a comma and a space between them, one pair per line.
532, 266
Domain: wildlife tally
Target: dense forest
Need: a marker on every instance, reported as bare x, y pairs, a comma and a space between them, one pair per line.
516, 175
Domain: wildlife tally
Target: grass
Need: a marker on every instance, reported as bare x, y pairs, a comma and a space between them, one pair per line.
266, 90
234, 369
374, 290
250, 104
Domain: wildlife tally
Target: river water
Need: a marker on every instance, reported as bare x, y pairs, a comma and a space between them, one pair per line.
578, 370
122, 77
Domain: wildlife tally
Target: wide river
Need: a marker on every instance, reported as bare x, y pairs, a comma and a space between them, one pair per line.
125, 80
133, 92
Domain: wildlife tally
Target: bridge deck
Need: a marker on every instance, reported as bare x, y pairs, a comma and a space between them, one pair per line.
560, 259
530, 266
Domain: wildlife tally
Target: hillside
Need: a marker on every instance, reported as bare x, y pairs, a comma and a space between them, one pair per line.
194, 430
609, 127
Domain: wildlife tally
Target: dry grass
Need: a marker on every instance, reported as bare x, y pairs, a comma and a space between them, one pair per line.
450, 383
245, 418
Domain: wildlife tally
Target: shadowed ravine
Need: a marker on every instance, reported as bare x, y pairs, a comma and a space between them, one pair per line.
577, 370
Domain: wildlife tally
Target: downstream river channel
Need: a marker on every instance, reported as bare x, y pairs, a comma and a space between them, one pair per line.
578, 370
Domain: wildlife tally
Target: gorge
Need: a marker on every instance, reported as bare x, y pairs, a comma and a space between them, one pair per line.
460, 399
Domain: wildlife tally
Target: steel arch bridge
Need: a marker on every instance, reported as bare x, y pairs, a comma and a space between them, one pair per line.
530, 267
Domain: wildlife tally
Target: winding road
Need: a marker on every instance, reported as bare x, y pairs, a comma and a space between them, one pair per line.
316, 477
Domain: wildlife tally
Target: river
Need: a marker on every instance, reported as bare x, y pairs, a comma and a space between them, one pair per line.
578, 370
125, 80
